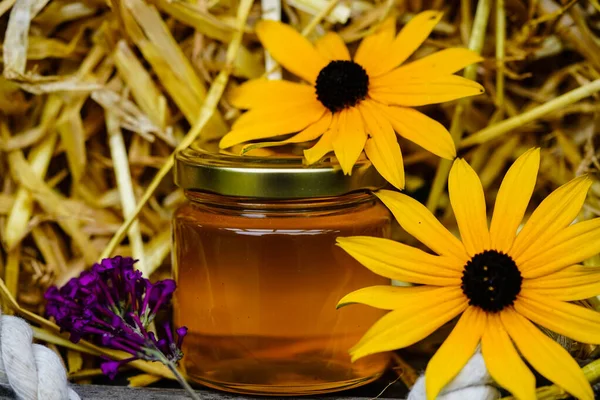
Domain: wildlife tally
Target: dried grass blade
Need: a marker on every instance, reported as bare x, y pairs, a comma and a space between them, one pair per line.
129, 115
143, 89
271, 10
476, 42
170, 64
5, 5
42, 241
74, 361
41, 47
53, 204
6, 203
24, 139
61, 11
72, 134
143, 380
125, 186
339, 14
85, 374
201, 21
9, 300
501, 128
53, 338
39, 159
38, 85
157, 250
153, 368
212, 100
16, 40
11, 274
12, 99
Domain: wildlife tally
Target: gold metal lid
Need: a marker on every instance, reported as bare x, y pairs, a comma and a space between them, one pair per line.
280, 177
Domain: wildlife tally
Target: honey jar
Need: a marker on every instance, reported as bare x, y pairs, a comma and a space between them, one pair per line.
259, 274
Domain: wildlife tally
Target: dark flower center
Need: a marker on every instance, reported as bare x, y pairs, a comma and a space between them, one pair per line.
491, 280
342, 84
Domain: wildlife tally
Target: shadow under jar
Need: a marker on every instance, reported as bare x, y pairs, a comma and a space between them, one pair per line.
259, 275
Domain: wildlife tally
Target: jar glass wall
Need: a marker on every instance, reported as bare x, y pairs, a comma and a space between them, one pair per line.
258, 283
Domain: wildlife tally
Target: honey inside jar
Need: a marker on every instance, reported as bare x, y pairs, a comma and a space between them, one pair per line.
258, 283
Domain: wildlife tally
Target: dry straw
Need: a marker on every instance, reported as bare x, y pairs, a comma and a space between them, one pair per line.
96, 96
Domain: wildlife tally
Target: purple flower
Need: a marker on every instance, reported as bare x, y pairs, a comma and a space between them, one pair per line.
112, 305
110, 368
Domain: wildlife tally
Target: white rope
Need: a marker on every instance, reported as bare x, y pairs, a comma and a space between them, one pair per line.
32, 371
472, 383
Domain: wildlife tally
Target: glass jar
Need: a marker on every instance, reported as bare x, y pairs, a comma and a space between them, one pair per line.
259, 275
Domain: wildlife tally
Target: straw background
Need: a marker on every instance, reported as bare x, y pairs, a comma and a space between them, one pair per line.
96, 96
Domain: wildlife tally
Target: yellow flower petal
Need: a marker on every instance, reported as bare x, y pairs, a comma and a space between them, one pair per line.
278, 111
578, 323
374, 48
408, 325
332, 47
392, 297
570, 246
420, 129
279, 119
324, 145
456, 350
418, 221
410, 38
563, 235
553, 214
382, 147
445, 62
401, 262
576, 282
293, 51
263, 93
545, 355
310, 133
468, 203
350, 140
313, 131
512, 199
503, 361
422, 91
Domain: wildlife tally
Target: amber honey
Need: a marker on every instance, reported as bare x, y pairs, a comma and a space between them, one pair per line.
257, 287
259, 274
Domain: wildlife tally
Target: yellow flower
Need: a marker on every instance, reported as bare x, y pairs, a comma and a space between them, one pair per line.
500, 281
354, 104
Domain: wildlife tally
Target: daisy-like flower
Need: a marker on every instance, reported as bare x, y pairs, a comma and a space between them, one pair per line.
354, 104
500, 283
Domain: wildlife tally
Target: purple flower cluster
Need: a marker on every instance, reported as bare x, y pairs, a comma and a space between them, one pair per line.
113, 305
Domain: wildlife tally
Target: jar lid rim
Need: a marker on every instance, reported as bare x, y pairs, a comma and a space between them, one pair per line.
204, 168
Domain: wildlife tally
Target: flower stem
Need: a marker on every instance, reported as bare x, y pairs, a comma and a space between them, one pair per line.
181, 379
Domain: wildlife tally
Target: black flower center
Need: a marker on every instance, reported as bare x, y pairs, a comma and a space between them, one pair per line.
342, 84
491, 280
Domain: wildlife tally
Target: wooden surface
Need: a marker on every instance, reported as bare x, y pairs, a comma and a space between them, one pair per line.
101, 392
96, 392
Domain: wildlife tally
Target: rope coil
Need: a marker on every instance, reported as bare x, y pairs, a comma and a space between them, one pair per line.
32, 371
472, 383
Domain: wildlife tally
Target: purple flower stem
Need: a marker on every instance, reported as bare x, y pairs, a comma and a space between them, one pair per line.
126, 347
182, 381
139, 324
146, 300
109, 297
